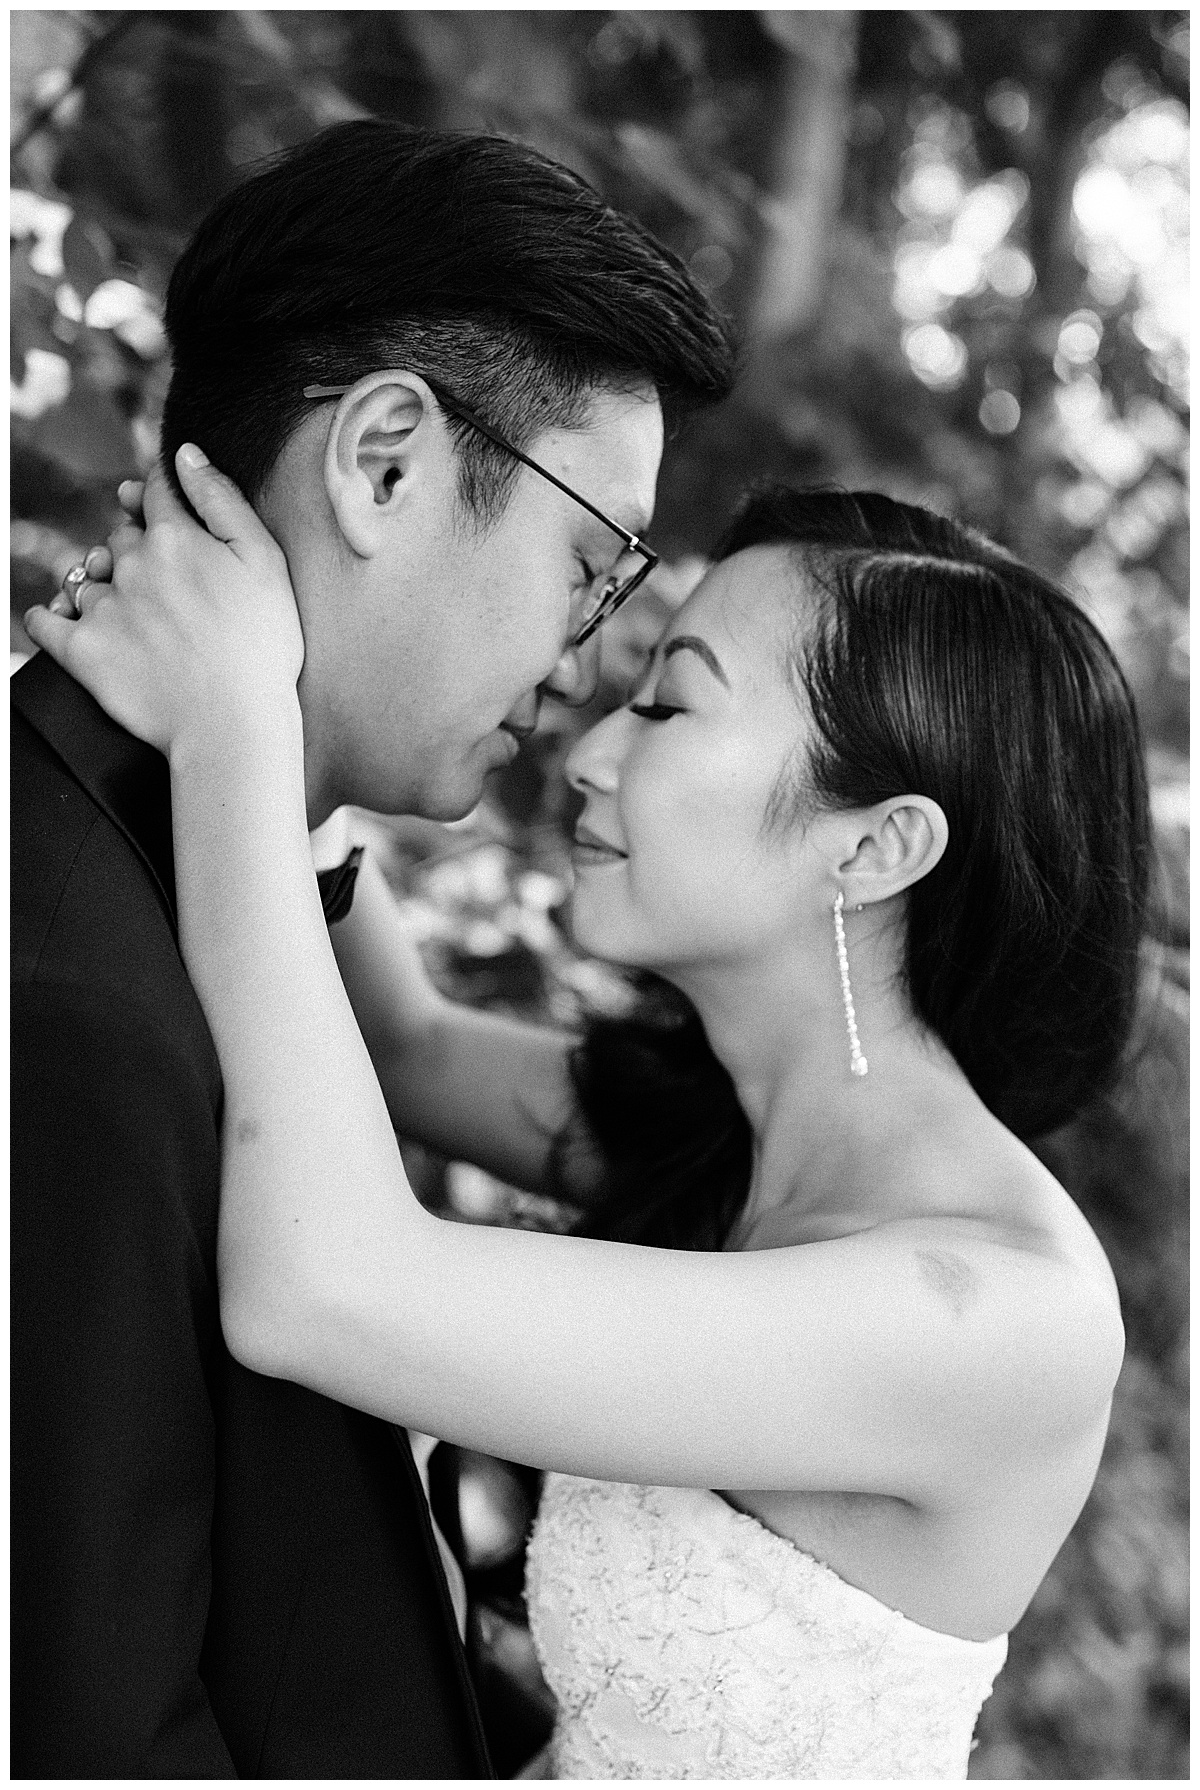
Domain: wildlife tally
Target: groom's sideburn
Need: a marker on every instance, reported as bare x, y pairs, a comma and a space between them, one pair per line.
213, 1574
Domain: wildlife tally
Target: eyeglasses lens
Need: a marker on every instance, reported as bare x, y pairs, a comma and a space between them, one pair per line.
610, 592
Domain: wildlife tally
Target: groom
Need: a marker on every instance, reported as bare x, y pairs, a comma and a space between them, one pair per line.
436, 365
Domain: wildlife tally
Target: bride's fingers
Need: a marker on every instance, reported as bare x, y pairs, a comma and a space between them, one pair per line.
121, 541
65, 600
98, 564
219, 504
216, 500
89, 594
53, 632
129, 495
159, 502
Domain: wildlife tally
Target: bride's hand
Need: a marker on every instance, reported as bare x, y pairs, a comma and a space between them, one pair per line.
198, 631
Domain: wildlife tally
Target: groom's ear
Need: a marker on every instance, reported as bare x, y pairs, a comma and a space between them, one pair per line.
375, 455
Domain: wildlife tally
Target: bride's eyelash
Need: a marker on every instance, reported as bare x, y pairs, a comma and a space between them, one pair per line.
653, 711
648, 711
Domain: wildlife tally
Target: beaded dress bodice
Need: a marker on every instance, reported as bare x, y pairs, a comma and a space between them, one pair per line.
682, 1639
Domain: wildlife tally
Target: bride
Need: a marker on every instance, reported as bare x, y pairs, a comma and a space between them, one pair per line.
877, 810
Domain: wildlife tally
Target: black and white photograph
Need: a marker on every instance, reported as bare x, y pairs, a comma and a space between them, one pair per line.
599, 894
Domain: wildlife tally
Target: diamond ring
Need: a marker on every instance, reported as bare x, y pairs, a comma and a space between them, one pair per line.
73, 583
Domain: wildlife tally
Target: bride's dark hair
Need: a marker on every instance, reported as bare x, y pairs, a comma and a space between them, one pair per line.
938, 665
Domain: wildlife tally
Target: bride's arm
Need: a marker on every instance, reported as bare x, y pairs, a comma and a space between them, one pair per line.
834, 1366
830, 1367
475, 1086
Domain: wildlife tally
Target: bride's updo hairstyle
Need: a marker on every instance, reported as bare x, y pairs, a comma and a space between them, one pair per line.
937, 665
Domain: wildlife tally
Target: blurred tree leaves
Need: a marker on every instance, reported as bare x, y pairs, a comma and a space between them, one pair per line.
89, 438
87, 256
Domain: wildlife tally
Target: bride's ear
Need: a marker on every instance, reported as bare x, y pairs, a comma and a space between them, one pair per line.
892, 846
374, 453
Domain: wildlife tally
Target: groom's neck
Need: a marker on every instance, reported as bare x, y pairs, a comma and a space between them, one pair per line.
322, 796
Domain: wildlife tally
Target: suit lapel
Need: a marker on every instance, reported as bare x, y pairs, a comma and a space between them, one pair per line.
129, 781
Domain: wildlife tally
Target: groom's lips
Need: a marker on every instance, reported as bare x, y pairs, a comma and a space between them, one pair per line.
511, 737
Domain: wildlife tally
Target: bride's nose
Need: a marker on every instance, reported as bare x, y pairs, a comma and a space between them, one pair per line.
593, 763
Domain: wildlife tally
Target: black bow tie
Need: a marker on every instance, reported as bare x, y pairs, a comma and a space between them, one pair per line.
337, 886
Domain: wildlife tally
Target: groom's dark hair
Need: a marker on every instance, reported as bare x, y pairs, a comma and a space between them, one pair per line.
472, 260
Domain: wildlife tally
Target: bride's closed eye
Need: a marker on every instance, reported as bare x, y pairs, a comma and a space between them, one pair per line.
653, 711
649, 711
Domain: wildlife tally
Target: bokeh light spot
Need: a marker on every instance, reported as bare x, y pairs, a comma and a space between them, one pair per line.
937, 357
1080, 337
1007, 105
999, 412
1010, 272
47, 382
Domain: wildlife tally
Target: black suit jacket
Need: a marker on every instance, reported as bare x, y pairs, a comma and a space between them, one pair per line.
213, 1574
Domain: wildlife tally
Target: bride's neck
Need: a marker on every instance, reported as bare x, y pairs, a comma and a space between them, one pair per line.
779, 1028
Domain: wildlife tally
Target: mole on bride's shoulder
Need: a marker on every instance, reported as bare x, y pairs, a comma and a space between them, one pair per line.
950, 1276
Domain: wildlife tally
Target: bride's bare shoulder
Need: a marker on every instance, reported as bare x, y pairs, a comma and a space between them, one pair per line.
994, 1227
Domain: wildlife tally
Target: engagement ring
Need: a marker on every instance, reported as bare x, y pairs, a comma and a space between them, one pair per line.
73, 583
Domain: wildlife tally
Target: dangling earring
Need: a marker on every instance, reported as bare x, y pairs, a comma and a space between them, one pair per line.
858, 1063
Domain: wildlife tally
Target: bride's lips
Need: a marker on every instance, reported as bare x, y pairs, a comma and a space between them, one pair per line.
589, 848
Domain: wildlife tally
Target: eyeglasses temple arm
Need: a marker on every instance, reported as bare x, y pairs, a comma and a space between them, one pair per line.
475, 422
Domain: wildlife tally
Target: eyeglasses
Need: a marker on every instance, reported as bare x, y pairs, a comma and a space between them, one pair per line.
635, 562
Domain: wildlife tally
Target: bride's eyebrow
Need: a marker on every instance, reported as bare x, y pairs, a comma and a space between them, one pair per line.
692, 643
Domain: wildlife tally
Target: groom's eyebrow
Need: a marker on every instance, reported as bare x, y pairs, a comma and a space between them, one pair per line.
692, 643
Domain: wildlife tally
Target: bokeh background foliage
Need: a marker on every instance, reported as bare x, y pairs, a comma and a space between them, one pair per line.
956, 246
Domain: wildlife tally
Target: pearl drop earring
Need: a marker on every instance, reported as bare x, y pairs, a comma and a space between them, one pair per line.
858, 1063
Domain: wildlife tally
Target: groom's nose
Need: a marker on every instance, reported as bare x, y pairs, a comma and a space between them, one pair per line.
577, 673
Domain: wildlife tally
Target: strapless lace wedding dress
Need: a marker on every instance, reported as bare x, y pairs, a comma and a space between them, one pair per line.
681, 1639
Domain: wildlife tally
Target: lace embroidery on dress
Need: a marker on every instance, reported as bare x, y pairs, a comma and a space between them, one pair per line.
684, 1640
